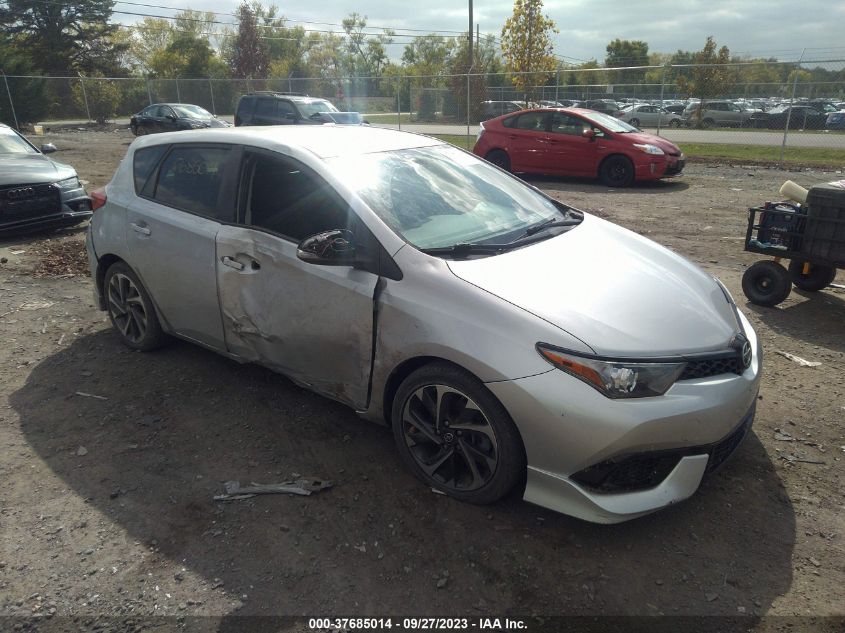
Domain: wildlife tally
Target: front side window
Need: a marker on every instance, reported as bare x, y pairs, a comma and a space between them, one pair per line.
287, 198
191, 179
568, 124
436, 197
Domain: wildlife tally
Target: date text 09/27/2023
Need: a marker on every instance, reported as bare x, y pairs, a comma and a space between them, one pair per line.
416, 624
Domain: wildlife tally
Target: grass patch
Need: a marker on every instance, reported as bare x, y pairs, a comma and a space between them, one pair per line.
459, 140
813, 156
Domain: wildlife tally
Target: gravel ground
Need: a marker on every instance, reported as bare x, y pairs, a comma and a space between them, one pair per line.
111, 459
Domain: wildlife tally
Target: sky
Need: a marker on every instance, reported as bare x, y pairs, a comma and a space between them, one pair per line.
771, 28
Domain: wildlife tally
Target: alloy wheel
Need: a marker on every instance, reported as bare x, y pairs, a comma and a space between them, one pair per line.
450, 438
127, 307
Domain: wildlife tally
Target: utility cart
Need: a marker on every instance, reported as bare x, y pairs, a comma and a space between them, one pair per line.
809, 235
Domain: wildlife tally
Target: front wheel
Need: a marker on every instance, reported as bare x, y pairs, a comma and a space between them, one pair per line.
131, 310
675, 123
766, 283
635, 122
455, 435
499, 158
617, 171
818, 278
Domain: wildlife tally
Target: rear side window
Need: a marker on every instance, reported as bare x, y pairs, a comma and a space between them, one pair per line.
191, 178
266, 107
532, 121
144, 164
246, 106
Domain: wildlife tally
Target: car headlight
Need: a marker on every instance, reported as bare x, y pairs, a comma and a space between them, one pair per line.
649, 149
616, 378
69, 183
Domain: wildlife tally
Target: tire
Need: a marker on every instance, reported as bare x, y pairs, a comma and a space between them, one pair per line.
818, 278
707, 124
634, 122
675, 123
438, 443
766, 283
131, 310
616, 171
499, 158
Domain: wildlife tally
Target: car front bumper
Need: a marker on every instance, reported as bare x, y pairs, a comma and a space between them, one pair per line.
567, 427
72, 207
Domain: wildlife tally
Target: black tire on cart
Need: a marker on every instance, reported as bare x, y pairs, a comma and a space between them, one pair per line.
818, 278
766, 283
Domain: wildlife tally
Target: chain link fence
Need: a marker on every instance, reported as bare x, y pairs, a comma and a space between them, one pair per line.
777, 104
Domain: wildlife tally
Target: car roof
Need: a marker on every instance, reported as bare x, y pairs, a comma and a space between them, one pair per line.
324, 141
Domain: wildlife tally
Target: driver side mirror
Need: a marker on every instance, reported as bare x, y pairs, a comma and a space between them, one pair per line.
48, 148
589, 134
172, 117
329, 248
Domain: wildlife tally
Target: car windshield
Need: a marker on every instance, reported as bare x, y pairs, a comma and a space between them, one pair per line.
609, 123
310, 108
192, 112
437, 197
11, 143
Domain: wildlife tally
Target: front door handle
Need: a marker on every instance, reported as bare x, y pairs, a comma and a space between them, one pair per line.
231, 263
143, 230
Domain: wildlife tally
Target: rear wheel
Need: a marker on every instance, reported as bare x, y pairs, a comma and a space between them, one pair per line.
131, 310
675, 123
766, 283
499, 158
635, 122
707, 123
455, 435
617, 171
818, 277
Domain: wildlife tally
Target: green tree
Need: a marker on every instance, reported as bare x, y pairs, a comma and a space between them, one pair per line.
626, 53
29, 94
249, 53
527, 45
103, 97
711, 76
62, 38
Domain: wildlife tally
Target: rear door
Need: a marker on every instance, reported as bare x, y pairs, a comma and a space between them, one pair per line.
311, 322
266, 111
171, 231
528, 143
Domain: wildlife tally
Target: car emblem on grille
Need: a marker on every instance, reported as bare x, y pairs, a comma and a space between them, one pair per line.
741, 344
20, 193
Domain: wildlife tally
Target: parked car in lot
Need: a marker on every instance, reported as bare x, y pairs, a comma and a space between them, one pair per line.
35, 191
800, 118
605, 106
492, 109
835, 121
281, 108
408, 279
716, 113
647, 115
169, 117
675, 108
577, 142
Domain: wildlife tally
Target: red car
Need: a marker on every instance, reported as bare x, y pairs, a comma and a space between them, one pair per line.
576, 142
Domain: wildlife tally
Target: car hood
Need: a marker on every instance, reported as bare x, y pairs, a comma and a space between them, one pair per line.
652, 139
31, 169
620, 293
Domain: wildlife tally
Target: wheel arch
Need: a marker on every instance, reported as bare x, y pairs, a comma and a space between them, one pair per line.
616, 154
107, 261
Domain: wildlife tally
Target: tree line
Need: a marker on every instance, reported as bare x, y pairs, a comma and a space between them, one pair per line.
61, 39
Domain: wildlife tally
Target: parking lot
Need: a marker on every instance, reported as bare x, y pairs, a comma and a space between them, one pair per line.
112, 459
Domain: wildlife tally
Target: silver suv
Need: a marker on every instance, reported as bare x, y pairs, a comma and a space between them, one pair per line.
437, 294
716, 114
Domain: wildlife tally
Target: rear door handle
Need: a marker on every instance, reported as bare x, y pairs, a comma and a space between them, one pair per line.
231, 263
143, 230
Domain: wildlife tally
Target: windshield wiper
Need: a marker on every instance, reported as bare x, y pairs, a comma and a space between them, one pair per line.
462, 249
547, 224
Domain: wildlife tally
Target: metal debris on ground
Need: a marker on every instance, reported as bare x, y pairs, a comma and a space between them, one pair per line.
797, 359
301, 486
90, 395
794, 458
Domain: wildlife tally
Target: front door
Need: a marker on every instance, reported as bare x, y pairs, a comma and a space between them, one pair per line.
171, 234
570, 152
313, 323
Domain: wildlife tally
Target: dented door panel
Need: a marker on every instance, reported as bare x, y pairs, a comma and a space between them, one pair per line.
312, 323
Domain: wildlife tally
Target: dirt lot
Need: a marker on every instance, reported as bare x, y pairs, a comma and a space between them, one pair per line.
107, 512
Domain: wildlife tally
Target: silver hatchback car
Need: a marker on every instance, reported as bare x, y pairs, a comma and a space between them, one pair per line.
508, 339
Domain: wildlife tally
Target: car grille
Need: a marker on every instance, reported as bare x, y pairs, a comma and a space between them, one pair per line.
706, 367
29, 200
641, 471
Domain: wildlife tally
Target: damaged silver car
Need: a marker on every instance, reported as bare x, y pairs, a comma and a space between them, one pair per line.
35, 191
508, 339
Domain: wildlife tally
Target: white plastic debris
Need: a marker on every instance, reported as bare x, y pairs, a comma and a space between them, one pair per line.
797, 359
301, 486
